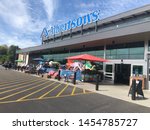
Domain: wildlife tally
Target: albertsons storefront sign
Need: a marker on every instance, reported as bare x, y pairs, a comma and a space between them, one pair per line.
89, 18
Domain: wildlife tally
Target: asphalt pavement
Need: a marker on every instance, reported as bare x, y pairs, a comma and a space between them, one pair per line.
25, 93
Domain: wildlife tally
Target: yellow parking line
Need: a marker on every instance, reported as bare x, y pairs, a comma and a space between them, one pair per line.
50, 91
74, 88
22, 91
17, 81
68, 95
36, 91
83, 90
12, 80
30, 83
62, 91
15, 85
36, 99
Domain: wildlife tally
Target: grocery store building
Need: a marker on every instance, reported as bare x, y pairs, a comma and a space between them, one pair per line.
123, 39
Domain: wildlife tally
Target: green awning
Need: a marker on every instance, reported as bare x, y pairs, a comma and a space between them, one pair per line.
19, 61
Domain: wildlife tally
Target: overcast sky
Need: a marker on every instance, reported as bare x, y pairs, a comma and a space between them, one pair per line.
22, 21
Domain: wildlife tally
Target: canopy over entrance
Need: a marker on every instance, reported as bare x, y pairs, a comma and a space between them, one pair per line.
87, 57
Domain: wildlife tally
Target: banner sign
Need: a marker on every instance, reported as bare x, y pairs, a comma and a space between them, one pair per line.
71, 24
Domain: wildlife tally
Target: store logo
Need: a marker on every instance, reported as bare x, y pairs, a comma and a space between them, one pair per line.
44, 33
71, 24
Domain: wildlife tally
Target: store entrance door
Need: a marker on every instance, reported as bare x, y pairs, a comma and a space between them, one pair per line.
122, 73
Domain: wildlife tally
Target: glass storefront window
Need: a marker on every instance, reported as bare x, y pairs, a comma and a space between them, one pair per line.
125, 51
137, 70
109, 68
113, 52
122, 53
138, 50
62, 56
136, 53
136, 56
122, 56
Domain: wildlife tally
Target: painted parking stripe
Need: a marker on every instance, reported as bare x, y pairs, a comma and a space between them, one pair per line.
28, 84
13, 82
22, 91
50, 91
10, 81
83, 90
35, 91
74, 88
44, 98
18, 88
62, 90
16, 85
48, 97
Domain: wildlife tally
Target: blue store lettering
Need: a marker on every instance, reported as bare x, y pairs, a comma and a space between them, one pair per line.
89, 18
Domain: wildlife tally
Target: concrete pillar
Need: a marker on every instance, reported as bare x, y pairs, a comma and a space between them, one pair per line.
27, 58
104, 65
105, 51
146, 64
20, 57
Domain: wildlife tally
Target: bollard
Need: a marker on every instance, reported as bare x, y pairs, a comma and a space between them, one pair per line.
74, 79
58, 75
97, 82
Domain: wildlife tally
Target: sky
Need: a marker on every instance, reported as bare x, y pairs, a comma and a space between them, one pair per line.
22, 21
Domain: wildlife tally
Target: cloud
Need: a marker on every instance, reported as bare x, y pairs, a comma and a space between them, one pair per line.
85, 8
120, 6
14, 13
109, 7
87, 5
18, 26
18, 41
83, 13
50, 6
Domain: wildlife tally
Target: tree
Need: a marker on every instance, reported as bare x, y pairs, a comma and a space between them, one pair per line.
3, 50
8, 53
3, 53
12, 53
3, 59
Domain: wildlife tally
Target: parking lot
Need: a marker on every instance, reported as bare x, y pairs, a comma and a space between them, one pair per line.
20, 92
22, 87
